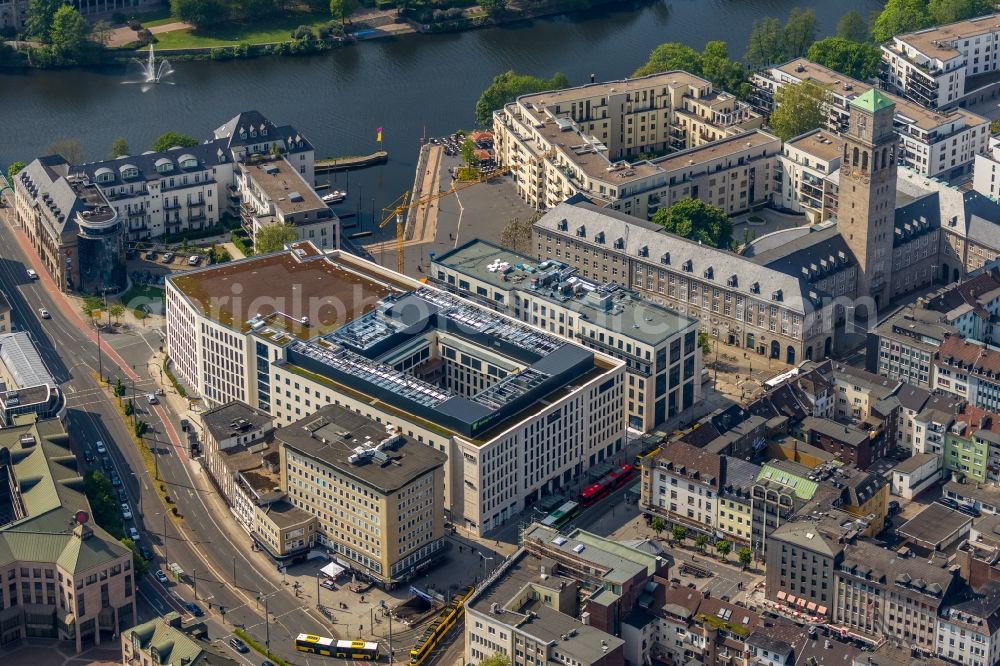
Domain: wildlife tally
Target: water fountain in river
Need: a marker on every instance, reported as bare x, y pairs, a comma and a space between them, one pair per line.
152, 72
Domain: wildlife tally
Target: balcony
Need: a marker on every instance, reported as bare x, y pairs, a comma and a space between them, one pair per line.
199, 203
195, 217
171, 205
136, 211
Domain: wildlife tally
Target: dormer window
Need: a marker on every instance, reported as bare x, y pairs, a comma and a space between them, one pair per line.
188, 161
687, 266
665, 259
253, 133
709, 273
163, 165
599, 238
104, 175
733, 281
755, 288
263, 129
128, 171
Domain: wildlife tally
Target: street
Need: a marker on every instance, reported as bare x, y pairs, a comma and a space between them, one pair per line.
206, 552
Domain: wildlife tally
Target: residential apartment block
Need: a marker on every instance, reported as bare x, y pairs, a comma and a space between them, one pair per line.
378, 495
276, 193
987, 169
969, 632
933, 143
904, 346
945, 65
802, 183
326, 329
681, 483
606, 141
972, 445
65, 578
970, 370
659, 346
78, 235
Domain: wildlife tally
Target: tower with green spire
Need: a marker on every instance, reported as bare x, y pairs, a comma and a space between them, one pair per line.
867, 200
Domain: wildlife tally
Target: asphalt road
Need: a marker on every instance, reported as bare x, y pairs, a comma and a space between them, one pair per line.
203, 548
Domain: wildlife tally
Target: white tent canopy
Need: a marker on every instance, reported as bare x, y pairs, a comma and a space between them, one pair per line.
332, 570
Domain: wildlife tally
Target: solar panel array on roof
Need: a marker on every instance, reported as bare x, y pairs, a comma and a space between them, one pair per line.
365, 331
487, 322
381, 375
510, 388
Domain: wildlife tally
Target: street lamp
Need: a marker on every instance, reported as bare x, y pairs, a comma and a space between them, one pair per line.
484, 558
164, 537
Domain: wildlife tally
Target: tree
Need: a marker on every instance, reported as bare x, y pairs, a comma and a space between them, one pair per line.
92, 306
41, 13
139, 563
469, 153
994, 129
200, 13
342, 9
746, 556
103, 503
68, 148
670, 56
949, 11
799, 107
119, 148
901, 16
851, 26
119, 388
116, 310
13, 169
508, 86
172, 139
101, 32
129, 407
799, 33
723, 547
493, 7
658, 525
766, 44
725, 74
697, 220
140, 427
860, 60
274, 238
705, 342
68, 35
679, 532
516, 235
701, 540
498, 659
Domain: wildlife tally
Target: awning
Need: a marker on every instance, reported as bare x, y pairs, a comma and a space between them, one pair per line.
790, 599
821, 610
332, 570
801, 602
781, 594
811, 605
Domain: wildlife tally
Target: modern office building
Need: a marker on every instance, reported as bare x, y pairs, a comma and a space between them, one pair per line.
659, 346
77, 234
26, 386
377, 494
934, 143
608, 141
66, 577
945, 65
904, 346
519, 412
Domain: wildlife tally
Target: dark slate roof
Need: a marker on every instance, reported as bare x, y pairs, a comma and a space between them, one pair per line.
47, 175
984, 608
802, 252
916, 218
206, 154
912, 397
247, 120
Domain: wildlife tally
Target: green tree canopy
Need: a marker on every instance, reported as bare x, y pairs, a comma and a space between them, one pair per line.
498, 659
679, 532
200, 13
341, 10
860, 60
509, 86
901, 16
799, 107
670, 56
103, 503
697, 220
41, 13
746, 556
723, 547
766, 44
171, 139
851, 26
493, 7
949, 11
119, 148
799, 32
658, 524
140, 565
274, 238
13, 169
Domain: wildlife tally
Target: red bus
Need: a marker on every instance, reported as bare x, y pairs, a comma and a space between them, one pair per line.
606, 485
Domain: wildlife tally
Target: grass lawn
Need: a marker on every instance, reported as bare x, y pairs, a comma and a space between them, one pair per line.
156, 17
145, 292
275, 29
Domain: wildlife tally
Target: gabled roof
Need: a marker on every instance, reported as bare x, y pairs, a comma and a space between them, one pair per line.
254, 120
206, 155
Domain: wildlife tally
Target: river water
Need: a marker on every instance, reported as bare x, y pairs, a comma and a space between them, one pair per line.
410, 86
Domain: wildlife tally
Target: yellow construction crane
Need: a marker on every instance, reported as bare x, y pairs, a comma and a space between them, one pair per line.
404, 203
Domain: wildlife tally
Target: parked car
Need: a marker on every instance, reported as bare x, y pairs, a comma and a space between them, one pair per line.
115, 479
32, 274
168, 257
194, 609
89, 456
133, 534
161, 577
101, 449
44, 314
194, 260
151, 254
106, 463
948, 502
185, 425
238, 645
122, 497
146, 553
151, 399
894, 507
126, 512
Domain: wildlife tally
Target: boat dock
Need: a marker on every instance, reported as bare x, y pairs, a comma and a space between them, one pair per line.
351, 162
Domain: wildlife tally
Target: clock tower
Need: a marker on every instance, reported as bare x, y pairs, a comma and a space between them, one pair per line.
868, 193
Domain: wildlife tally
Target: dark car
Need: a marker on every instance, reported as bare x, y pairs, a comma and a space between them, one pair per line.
89, 456
194, 609
185, 425
106, 462
146, 553
115, 479
894, 507
122, 496
238, 645
948, 502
